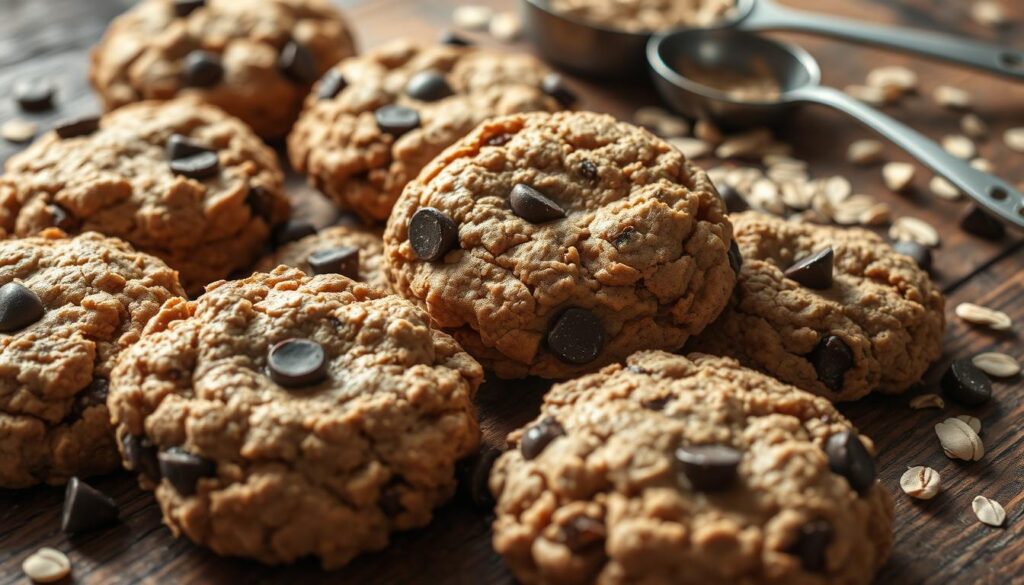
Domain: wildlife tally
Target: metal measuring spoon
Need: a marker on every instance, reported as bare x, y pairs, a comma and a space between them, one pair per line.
607, 52
799, 81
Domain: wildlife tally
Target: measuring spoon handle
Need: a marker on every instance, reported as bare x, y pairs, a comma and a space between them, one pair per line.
767, 15
992, 193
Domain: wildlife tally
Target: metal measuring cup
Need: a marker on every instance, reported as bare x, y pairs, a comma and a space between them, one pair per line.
799, 80
607, 52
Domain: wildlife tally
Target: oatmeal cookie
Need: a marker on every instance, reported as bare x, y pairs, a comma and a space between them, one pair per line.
283, 415
180, 180
68, 308
352, 251
375, 121
833, 311
256, 59
553, 244
690, 471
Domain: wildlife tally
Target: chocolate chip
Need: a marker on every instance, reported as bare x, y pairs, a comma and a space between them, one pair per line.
396, 120
532, 205
331, 84
34, 95
390, 500
19, 307
624, 237
183, 8
474, 472
709, 468
203, 69
922, 255
428, 86
539, 436
453, 39
965, 383
76, 127
141, 455
260, 202
555, 86
297, 63
734, 202
811, 545
297, 362
848, 457
86, 508
291, 230
980, 223
589, 170
831, 359
198, 166
180, 146
577, 336
814, 271
657, 404
582, 533
432, 234
92, 396
735, 257
184, 470
343, 260
60, 218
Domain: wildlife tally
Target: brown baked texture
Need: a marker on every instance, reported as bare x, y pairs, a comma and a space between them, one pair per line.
328, 470
339, 146
643, 247
605, 502
118, 181
368, 241
885, 309
98, 294
143, 54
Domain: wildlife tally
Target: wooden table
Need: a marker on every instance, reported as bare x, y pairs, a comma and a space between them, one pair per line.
937, 541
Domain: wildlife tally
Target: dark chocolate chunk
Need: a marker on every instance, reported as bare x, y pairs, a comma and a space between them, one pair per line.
291, 230
297, 63
734, 202
180, 146
811, 545
260, 202
343, 260
198, 166
735, 257
86, 508
183, 8
331, 84
582, 533
203, 69
532, 205
848, 457
432, 234
814, 271
624, 237
656, 404
294, 363
453, 39
184, 470
76, 127
539, 436
396, 120
428, 86
555, 86
35, 95
831, 360
589, 170
92, 396
19, 307
963, 382
141, 455
709, 468
922, 255
979, 222
577, 336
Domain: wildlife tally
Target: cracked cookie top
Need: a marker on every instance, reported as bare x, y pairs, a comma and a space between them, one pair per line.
204, 206
284, 415
876, 323
553, 244
363, 161
689, 470
256, 59
68, 308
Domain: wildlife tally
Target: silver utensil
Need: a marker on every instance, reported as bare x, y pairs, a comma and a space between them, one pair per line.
799, 79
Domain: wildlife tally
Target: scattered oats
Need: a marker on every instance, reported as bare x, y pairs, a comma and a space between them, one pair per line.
972, 125
959, 146
18, 131
472, 16
988, 13
915, 230
742, 178
746, 145
1014, 138
920, 482
876, 96
943, 189
506, 27
691, 147
821, 205
972, 421
877, 214
864, 152
786, 172
837, 189
778, 149
988, 511
927, 401
901, 78
850, 210
898, 175
781, 159
46, 565
959, 441
797, 195
979, 315
982, 165
764, 195
948, 96
995, 364
707, 132
661, 122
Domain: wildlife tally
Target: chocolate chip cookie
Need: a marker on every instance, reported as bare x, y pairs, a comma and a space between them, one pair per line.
283, 415
179, 179
553, 244
256, 59
352, 251
374, 121
830, 310
645, 15
689, 470
68, 308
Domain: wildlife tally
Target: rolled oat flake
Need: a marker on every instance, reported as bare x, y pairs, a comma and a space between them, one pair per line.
46, 565
988, 511
920, 482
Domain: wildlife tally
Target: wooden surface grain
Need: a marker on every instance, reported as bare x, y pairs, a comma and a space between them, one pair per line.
938, 541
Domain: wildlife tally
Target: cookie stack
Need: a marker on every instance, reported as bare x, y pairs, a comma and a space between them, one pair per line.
316, 393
